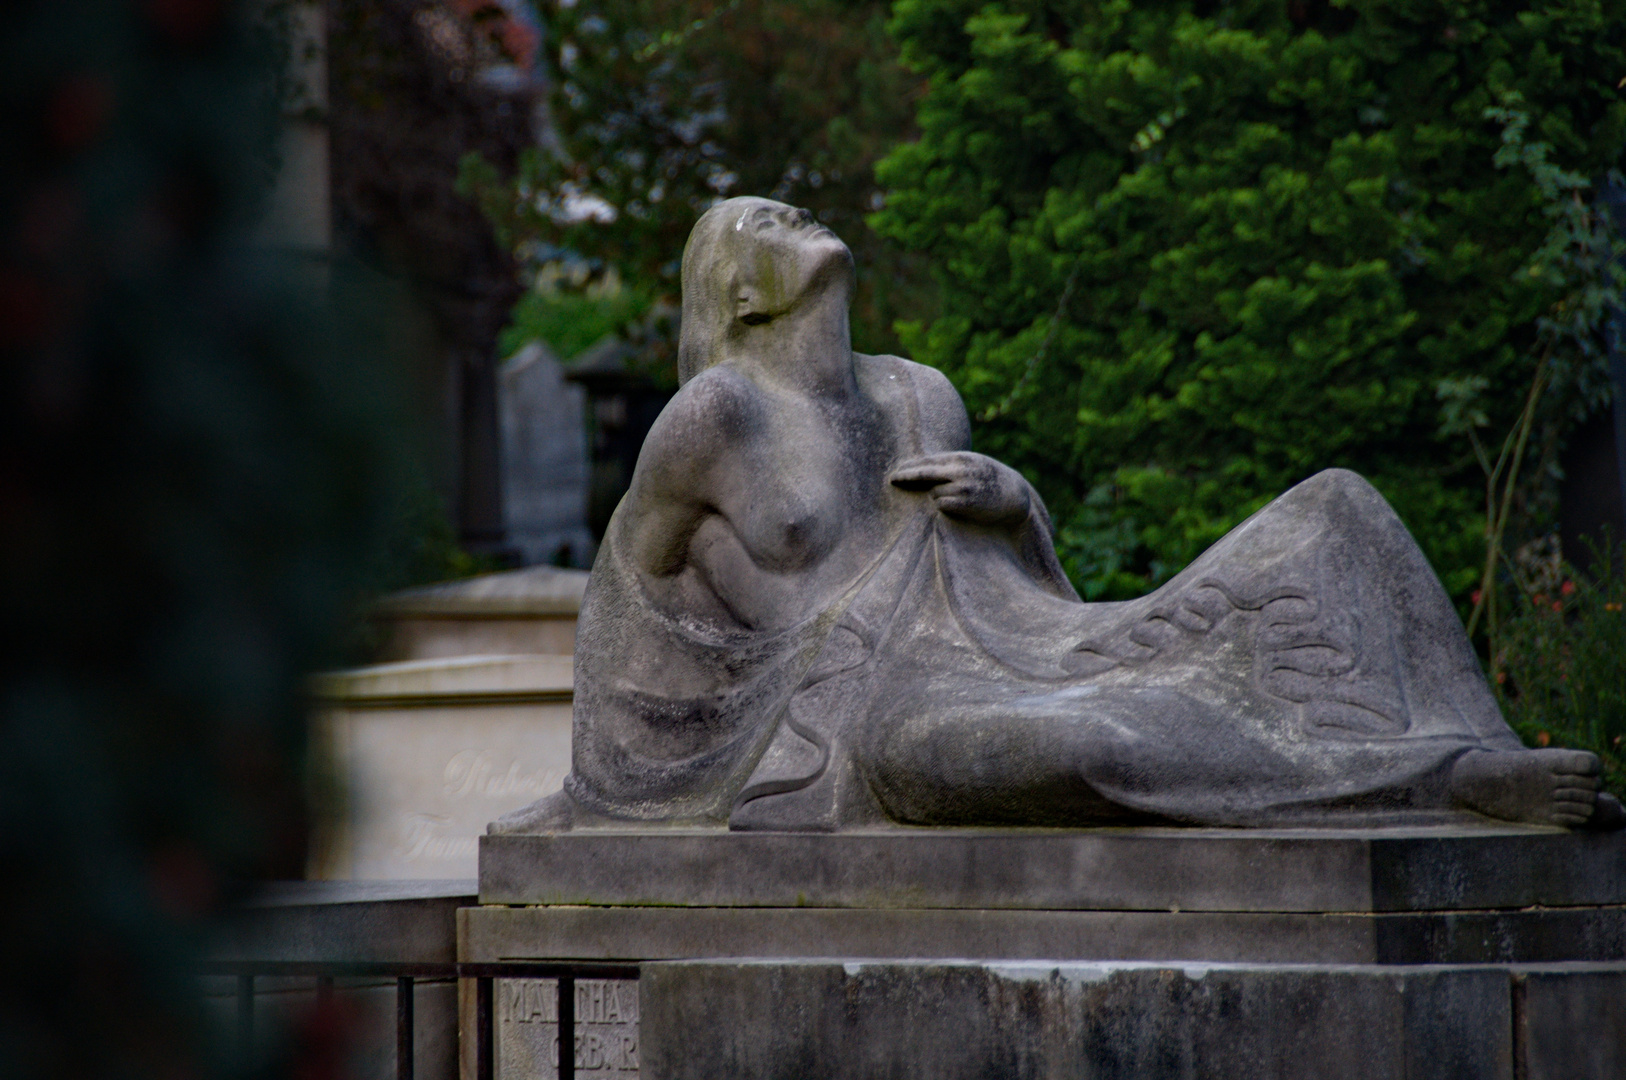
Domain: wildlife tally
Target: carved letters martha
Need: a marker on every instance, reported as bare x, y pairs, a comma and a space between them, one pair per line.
606, 1042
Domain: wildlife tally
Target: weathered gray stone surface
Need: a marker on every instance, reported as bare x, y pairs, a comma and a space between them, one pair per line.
527, 1029
818, 609
1570, 1022
945, 1021
1594, 933
1395, 896
400, 921
1148, 869
791, 1020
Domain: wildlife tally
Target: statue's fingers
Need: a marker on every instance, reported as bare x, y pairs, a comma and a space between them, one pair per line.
925, 472
958, 498
917, 479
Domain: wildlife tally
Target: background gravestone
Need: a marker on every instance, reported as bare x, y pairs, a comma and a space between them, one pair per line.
544, 481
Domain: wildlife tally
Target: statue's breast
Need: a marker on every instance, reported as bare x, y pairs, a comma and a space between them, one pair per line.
804, 489
786, 532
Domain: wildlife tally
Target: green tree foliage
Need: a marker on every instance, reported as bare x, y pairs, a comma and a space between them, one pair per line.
658, 107
1577, 259
569, 317
1561, 669
1192, 253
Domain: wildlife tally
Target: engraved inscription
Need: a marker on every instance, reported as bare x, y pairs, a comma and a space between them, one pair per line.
606, 1042
424, 836
473, 773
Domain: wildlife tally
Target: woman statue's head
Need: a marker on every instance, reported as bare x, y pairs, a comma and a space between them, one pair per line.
750, 262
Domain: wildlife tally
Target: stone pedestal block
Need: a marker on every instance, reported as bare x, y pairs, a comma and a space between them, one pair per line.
633, 934
1570, 1022
1462, 951
1440, 868
944, 1021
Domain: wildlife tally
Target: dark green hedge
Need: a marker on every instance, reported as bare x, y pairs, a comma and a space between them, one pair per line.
1193, 253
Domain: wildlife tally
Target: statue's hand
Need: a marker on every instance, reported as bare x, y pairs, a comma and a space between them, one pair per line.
967, 485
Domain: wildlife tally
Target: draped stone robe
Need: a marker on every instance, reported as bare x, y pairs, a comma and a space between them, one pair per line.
1307, 668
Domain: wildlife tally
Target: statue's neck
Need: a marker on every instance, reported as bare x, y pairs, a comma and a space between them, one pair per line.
806, 350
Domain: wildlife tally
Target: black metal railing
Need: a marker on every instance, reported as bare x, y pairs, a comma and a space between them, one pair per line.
406, 977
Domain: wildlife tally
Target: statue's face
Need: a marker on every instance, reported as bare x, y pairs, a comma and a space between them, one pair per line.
782, 254
748, 261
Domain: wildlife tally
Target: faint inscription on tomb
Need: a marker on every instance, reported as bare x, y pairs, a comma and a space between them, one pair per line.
433, 837
473, 772
606, 1042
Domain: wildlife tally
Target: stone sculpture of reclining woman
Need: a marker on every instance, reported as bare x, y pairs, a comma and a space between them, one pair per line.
818, 609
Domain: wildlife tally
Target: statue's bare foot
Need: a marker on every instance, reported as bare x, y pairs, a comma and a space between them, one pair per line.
1539, 787
549, 814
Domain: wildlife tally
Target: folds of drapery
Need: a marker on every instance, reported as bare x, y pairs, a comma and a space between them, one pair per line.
1308, 667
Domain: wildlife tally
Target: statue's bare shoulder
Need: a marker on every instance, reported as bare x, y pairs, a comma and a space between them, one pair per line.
944, 424
709, 416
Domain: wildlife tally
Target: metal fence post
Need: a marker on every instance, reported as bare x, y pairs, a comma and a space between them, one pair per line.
484, 1050
567, 1028
404, 1065
245, 1017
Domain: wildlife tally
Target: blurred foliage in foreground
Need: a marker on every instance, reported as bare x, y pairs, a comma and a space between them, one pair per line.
1561, 668
660, 107
200, 458
1192, 253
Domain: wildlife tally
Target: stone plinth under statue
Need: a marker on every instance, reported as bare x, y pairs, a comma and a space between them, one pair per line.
1124, 952
836, 701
